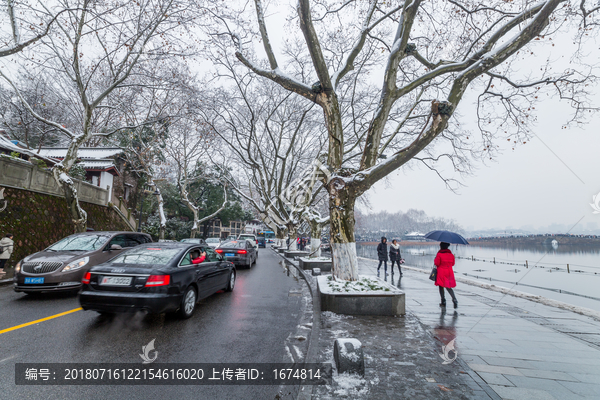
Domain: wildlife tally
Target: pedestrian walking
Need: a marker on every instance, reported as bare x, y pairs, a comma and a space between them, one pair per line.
6, 249
382, 254
395, 256
444, 261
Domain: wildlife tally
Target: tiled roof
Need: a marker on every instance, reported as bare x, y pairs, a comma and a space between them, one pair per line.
95, 153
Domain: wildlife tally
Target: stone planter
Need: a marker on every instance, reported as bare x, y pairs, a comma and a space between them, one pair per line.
372, 302
281, 250
295, 253
311, 263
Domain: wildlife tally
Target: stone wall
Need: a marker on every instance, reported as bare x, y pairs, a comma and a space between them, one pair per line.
22, 174
37, 220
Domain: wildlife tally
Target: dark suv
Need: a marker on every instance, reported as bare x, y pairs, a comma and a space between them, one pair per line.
62, 265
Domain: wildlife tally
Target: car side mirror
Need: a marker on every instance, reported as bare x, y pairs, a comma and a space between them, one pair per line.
116, 247
219, 257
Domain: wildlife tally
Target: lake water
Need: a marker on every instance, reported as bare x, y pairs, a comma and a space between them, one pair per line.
538, 270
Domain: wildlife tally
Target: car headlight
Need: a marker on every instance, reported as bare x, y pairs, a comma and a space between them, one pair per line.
18, 267
75, 265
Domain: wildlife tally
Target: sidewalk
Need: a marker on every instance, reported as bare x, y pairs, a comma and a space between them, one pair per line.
508, 347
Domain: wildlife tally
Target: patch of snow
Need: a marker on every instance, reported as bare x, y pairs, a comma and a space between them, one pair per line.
339, 332
307, 259
365, 285
344, 351
351, 385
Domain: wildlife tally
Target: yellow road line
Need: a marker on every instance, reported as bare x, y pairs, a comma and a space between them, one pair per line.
40, 320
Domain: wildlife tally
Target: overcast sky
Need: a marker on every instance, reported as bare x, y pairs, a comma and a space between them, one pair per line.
534, 186
546, 184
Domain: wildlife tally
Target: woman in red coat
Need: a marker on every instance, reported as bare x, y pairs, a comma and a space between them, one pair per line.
444, 261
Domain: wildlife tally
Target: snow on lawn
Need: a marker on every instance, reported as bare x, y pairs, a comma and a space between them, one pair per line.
364, 285
308, 259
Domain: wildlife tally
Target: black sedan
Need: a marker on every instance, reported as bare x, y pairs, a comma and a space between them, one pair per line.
239, 252
157, 278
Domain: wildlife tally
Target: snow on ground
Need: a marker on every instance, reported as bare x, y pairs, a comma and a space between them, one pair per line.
350, 385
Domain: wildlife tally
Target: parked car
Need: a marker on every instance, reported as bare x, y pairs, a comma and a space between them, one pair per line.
193, 240
156, 278
213, 242
61, 266
239, 252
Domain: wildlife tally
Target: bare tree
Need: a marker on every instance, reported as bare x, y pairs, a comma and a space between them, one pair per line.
92, 54
189, 142
31, 17
433, 52
271, 138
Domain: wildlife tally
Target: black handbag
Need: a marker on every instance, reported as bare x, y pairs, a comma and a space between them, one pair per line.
433, 275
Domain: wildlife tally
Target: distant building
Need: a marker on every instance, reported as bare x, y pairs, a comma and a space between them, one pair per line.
254, 226
217, 229
98, 162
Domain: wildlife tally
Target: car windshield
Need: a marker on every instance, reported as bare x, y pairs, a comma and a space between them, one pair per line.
80, 243
146, 255
247, 237
234, 244
212, 240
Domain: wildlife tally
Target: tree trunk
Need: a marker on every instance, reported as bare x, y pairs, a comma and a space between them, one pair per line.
280, 236
343, 245
78, 214
161, 212
293, 235
315, 239
195, 226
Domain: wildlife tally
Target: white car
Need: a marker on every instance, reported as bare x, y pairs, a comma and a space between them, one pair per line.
213, 242
251, 238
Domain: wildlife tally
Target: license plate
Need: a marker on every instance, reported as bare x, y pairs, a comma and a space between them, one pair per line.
229, 255
34, 281
116, 280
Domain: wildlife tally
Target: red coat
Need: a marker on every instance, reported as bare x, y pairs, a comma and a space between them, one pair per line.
444, 261
198, 260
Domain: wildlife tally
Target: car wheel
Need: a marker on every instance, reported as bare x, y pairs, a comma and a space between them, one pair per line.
188, 303
231, 283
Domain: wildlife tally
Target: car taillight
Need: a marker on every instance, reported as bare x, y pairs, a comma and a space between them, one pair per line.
242, 251
256, 241
86, 278
158, 280
219, 251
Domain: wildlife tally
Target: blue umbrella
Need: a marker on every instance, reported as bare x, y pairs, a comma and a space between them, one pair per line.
446, 236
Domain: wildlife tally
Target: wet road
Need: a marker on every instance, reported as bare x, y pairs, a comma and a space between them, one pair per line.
248, 325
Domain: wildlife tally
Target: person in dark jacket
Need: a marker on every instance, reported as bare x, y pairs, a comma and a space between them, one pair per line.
382, 254
395, 256
444, 261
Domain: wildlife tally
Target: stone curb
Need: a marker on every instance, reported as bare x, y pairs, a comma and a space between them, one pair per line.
305, 392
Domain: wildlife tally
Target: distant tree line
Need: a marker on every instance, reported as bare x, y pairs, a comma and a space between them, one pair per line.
402, 222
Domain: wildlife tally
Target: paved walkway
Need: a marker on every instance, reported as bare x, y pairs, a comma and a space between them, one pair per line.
508, 347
